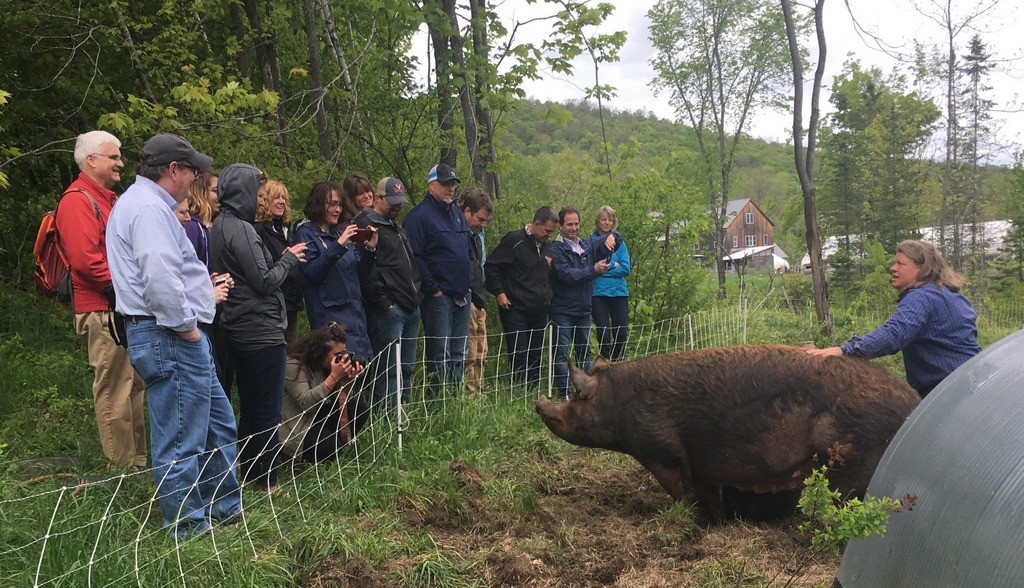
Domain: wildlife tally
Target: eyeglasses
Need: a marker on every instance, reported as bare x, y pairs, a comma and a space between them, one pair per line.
334, 204
115, 157
195, 170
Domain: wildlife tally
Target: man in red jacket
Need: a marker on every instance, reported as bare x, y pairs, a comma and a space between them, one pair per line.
81, 225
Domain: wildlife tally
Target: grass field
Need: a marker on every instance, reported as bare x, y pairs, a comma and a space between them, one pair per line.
481, 494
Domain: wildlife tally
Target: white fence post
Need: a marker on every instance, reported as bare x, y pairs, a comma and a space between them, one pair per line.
400, 425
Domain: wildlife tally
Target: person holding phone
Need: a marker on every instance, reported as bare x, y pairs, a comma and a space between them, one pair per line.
316, 413
335, 266
252, 320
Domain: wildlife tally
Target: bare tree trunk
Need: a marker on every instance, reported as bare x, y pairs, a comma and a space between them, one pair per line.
133, 53
316, 73
951, 144
442, 76
265, 45
335, 46
481, 49
238, 30
805, 160
458, 56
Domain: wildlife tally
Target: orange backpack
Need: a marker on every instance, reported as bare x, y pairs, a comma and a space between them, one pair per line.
52, 274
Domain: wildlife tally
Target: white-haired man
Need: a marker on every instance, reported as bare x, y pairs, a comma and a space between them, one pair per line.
82, 213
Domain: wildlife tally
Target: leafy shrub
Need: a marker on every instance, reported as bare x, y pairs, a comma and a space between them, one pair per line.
831, 522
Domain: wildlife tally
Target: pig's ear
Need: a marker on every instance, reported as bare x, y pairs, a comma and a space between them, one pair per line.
584, 384
598, 361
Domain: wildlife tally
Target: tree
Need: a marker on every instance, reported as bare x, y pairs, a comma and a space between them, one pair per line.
804, 156
893, 165
601, 48
1011, 264
720, 60
882, 129
975, 119
309, 21
942, 13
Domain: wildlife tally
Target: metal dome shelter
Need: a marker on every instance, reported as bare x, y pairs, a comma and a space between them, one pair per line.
961, 453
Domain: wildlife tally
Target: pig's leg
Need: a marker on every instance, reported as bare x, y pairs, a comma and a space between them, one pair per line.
674, 478
711, 497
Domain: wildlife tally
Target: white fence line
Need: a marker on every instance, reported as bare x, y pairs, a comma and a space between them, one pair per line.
111, 527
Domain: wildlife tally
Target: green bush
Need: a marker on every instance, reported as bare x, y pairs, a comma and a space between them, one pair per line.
832, 522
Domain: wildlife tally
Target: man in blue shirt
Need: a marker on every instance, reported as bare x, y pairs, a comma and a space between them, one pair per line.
440, 242
165, 293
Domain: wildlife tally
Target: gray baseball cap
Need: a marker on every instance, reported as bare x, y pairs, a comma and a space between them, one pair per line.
165, 148
392, 190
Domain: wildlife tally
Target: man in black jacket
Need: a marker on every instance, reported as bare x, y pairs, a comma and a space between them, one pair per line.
391, 291
516, 273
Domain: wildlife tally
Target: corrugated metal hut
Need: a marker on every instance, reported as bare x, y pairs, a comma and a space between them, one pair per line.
961, 453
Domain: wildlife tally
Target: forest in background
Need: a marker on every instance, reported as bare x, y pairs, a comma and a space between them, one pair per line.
319, 88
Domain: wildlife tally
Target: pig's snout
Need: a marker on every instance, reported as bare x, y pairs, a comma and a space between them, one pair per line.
550, 412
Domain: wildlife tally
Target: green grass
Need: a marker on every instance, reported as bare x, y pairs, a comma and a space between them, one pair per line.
349, 511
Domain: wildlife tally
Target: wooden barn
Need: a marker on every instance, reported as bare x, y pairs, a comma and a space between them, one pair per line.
750, 236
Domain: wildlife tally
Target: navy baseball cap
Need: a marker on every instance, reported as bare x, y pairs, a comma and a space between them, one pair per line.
442, 173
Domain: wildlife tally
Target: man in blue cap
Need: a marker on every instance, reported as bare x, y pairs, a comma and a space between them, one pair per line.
440, 241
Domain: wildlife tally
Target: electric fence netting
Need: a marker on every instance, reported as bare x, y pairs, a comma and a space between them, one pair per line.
63, 530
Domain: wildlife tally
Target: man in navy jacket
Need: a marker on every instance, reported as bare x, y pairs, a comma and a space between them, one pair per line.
440, 242
575, 264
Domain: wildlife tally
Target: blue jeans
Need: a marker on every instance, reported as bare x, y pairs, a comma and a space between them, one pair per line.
259, 376
611, 317
386, 327
191, 428
574, 330
524, 337
446, 329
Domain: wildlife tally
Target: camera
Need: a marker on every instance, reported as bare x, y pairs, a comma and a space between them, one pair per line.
362, 235
355, 358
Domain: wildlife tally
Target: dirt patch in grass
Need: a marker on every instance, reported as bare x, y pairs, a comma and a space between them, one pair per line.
593, 520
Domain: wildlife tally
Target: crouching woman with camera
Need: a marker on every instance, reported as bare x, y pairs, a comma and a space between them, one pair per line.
317, 406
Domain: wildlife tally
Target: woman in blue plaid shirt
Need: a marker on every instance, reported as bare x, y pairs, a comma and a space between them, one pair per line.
934, 324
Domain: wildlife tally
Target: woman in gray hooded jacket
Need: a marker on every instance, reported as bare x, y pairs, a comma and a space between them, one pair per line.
252, 319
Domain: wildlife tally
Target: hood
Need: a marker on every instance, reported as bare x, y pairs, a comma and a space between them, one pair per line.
237, 189
375, 217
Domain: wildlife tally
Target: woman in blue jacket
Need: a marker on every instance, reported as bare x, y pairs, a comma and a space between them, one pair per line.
331, 274
610, 307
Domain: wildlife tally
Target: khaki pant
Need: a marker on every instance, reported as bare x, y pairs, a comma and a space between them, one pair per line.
476, 355
117, 392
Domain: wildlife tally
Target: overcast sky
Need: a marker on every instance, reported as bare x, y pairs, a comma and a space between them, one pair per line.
895, 21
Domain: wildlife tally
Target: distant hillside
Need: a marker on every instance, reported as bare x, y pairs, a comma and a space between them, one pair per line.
540, 132
764, 172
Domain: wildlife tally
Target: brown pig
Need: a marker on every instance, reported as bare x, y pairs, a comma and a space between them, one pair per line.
749, 419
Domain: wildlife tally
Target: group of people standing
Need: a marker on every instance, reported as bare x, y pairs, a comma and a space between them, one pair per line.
209, 273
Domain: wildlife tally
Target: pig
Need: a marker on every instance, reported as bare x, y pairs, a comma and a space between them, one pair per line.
748, 419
